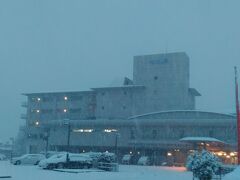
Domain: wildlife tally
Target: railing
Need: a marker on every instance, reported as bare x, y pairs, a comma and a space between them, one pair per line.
114, 167
23, 116
24, 104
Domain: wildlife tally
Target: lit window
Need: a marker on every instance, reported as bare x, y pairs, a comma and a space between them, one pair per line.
110, 130
65, 98
82, 130
65, 110
37, 123
130, 152
38, 99
38, 111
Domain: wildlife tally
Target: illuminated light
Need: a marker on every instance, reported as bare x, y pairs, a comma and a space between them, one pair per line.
220, 154
138, 152
83, 151
227, 156
106, 151
169, 154
202, 144
110, 130
232, 154
65, 110
65, 98
224, 154
130, 152
83, 130
37, 123
38, 99
208, 144
38, 111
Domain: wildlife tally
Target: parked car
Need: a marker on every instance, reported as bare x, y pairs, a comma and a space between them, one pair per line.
2, 157
126, 159
49, 153
33, 159
76, 161
144, 160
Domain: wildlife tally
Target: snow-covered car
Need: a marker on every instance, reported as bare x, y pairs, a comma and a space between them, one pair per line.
75, 161
2, 157
126, 159
49, 153
143, 160
33, 159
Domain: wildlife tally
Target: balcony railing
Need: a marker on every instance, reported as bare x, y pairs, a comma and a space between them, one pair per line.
24, 104
23, 116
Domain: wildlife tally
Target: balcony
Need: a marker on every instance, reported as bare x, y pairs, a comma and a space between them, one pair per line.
24, 104
23, 116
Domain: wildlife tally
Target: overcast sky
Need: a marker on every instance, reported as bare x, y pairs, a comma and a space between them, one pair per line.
56, 45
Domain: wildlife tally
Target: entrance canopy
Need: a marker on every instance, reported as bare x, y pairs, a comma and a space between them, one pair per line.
202, 139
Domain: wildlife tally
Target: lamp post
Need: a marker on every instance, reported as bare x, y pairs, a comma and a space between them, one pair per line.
68, 137
12, 139
117, 135
237, 113
46, 138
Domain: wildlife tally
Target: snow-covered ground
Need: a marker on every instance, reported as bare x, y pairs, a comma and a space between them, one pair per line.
235, 175
125, 172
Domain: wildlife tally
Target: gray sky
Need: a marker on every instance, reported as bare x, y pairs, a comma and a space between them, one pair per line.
56, 45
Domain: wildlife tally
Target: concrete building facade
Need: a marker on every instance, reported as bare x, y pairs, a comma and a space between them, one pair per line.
145, 116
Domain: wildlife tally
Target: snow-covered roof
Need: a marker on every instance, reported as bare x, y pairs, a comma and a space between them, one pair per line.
184, 111
119, 87
201, 139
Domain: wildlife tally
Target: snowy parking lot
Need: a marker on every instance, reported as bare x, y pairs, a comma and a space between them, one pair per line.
22, 172
25, 172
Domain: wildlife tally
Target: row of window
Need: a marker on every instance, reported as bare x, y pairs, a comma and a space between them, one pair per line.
124, 92
58, 98
50, 111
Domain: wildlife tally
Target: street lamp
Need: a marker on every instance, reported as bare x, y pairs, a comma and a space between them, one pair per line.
117, 135
66, 122
46, 138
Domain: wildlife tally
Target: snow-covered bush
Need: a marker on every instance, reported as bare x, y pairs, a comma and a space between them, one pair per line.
107, 158
203, 165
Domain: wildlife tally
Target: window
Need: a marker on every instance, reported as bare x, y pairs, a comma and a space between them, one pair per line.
211, 133
125, 93
75, 98
103, 107
154, 134
124, 107
103, 93
47, 111
155, 77
77, 110
132, 134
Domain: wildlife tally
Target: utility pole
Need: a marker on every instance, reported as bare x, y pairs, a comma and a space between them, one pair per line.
238, 114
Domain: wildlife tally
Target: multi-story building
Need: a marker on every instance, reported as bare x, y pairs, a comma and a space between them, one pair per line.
148, 114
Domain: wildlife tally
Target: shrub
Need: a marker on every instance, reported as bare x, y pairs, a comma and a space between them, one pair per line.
204, 165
